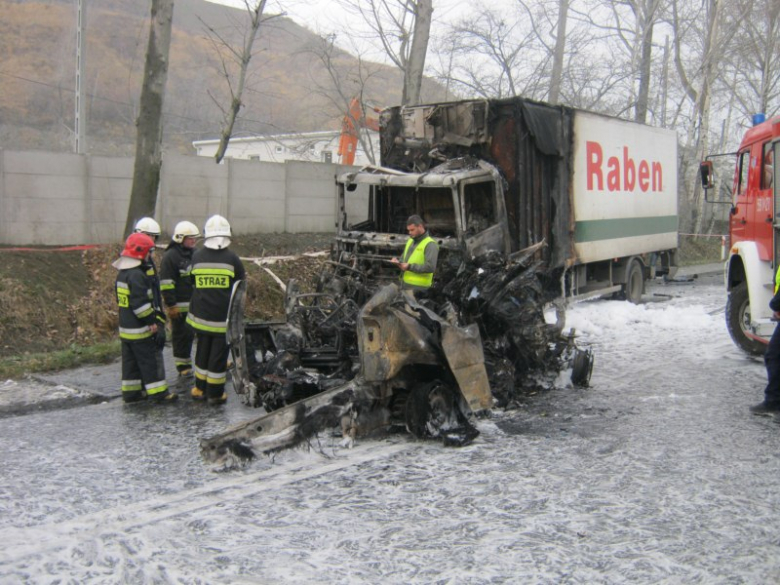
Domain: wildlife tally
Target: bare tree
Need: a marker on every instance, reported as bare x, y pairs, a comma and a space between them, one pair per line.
491, 50
756, 58
706, 47
559, 53
402, 27
148, 154
345, 88
231, 57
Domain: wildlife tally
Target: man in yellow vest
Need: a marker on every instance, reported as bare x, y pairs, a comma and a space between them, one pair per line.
418, 262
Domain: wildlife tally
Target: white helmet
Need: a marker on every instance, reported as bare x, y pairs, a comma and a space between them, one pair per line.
146, 225
217, 232
185, 229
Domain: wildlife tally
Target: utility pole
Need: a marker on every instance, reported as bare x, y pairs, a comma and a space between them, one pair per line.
80, 123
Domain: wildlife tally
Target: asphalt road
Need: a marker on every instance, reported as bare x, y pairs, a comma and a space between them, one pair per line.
657, 473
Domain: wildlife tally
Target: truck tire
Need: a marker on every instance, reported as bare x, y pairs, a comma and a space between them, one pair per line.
635, 283
738, 320
432, 412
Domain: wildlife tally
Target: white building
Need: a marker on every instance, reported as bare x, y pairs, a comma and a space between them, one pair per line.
305, 146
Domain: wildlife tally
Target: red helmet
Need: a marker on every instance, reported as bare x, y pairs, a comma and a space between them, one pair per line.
138, 246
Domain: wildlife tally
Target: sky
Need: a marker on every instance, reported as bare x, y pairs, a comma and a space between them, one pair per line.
328, 16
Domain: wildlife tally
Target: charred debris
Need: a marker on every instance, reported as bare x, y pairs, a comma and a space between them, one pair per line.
364, 356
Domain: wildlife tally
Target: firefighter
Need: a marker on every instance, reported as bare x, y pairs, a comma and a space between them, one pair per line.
148, 226
176, 288
141, 324
215, 270
420, 256
771, 403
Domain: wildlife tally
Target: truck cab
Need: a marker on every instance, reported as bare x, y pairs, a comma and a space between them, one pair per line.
754, 235
461, 202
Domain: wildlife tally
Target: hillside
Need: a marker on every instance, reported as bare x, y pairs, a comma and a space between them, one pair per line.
288, 90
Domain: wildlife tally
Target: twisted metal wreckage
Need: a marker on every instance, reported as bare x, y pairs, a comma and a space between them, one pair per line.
363, 355
501, 187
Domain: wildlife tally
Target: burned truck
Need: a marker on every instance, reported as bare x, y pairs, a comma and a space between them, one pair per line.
528, 203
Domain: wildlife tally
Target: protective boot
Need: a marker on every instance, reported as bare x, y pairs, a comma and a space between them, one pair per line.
164, 398
218, 399
766, 408
197, 394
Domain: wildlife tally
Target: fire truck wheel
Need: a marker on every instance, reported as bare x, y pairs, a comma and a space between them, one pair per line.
635, 283
738, 320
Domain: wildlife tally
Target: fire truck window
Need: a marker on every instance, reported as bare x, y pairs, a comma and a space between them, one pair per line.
744, 167
767, 167
479, 207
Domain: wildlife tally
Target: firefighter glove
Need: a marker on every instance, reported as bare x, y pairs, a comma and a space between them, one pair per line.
159, 337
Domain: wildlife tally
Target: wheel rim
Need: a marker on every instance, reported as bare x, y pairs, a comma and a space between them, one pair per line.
744, 316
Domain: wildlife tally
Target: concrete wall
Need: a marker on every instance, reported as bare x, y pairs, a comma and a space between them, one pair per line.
65, 199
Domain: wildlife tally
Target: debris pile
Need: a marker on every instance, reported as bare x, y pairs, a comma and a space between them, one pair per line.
476, 341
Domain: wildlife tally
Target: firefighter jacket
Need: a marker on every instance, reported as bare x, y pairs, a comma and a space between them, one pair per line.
175, 282
213, 274
421, 253
139, 303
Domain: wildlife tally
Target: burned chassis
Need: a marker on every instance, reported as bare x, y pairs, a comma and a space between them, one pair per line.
413, 370
395, 362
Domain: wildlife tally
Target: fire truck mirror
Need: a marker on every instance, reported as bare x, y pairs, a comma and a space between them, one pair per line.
707, 176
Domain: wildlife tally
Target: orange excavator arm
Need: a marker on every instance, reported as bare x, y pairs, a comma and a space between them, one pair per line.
349, 133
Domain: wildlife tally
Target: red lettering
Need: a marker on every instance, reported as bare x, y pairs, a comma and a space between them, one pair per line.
658, 177
622, 175
594, 157
613, 177
644, 176
629, 172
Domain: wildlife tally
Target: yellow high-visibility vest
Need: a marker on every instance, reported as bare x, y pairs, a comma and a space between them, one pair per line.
422, 279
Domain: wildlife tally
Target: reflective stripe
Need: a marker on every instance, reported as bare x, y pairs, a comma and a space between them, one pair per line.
204, 325
183, 306
123, 286
143, 311
213, 268
134, 334
153, 388
167, 284
216, 377
777, 280
182, 361
131, 385
200, 373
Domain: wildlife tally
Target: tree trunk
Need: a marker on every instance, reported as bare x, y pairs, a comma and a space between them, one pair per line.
560, 48
256, 19
148, 151
416, 63
644, 72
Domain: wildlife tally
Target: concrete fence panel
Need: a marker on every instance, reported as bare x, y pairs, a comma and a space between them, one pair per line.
59, 199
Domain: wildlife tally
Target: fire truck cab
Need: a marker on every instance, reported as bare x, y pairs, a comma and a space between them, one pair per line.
754, 235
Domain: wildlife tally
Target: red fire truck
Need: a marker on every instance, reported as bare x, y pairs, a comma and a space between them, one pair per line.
754, 234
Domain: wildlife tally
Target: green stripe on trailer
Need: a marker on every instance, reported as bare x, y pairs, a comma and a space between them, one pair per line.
610, 229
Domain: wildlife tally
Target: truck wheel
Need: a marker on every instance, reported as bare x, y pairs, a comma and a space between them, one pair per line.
635, 283
432, 412
738, 320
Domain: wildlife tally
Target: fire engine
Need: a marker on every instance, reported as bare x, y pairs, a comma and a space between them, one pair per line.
754, 234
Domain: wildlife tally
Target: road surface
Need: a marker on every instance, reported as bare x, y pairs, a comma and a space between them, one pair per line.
656, 473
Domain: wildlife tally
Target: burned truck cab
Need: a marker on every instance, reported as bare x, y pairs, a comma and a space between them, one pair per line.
461, 202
